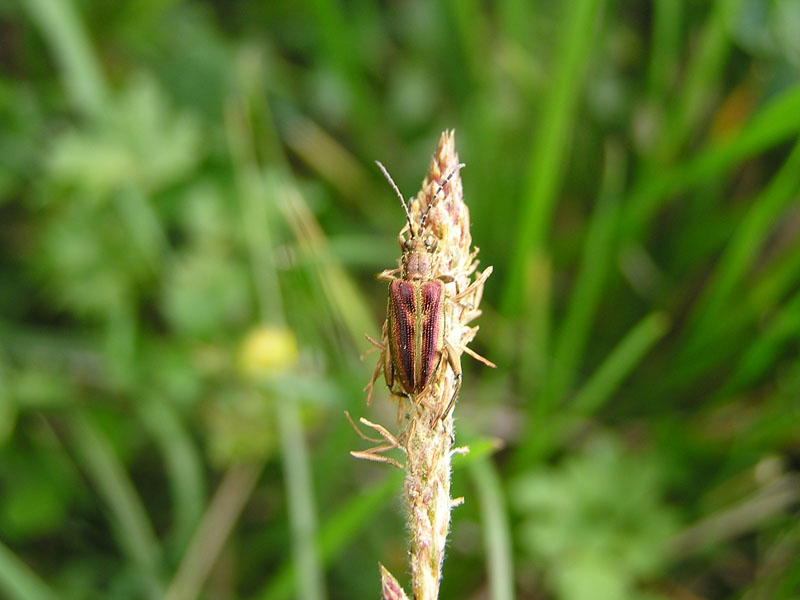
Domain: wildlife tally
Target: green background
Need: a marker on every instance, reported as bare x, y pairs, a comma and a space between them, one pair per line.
179, 180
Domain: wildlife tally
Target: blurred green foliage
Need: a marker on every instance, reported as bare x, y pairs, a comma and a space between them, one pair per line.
615, 497
189, 225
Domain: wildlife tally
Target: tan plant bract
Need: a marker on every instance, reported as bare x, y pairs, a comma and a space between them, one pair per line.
426, 433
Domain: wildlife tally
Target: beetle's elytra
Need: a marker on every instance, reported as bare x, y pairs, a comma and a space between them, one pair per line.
415, 325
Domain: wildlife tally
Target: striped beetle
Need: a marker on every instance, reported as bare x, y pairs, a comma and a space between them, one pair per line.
413, 343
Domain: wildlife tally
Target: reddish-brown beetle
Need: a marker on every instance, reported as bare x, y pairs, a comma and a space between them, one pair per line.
413, 342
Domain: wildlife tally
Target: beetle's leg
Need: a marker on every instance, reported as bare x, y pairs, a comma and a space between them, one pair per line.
401, 400
374, 342
395, 387
409, 435
401, 397
370, 387
401, 238
386, 357
377, 346
423, 400
381, 364
455, 363
388, 275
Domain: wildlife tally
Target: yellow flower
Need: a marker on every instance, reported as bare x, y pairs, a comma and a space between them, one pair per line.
267, 350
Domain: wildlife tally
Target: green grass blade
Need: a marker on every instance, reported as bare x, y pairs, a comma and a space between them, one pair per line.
622, 360
585, 297
761, 355
267, 194
183, 465
340, 291
534, 332
341, 51
104, 469
514, 17
763, 297
496, 530
779, 277
18, 581
702, 75
69, 44
741, 321
773, 124
749, 238
470, 26
259, 200
665, 47
551, 142
337, 531
309, 579
255, 211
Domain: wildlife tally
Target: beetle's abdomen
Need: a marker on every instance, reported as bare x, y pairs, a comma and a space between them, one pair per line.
415, 331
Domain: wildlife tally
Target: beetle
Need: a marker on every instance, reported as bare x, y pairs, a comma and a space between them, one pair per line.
414, 342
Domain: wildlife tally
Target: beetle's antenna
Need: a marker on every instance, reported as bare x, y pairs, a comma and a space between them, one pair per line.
447, 179
399, 195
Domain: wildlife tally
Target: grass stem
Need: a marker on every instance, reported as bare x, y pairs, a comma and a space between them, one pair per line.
18, 581
496, 530
219, 519
69, 44
107, 473
309, 577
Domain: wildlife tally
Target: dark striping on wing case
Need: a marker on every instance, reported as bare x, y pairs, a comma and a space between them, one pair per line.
430, 325
401, 298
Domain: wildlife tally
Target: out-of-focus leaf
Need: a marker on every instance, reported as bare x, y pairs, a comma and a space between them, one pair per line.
85, 259
598, 520
769, 28
140, 139
38, 486
206, 292
8, 406
240, 427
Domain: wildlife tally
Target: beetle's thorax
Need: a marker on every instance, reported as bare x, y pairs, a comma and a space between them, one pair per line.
417, 258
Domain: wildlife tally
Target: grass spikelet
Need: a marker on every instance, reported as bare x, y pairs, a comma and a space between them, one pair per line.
427, 433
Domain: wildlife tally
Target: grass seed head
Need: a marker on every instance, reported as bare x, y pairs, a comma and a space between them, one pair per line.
427, 430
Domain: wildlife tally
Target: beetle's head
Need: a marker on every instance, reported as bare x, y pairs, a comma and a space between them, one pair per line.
419, 248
